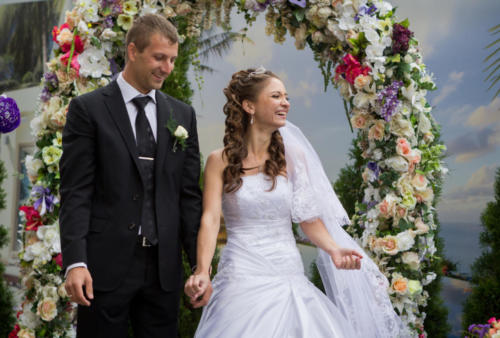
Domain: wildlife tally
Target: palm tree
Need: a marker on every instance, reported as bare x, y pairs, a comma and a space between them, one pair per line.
494, 67
210, 44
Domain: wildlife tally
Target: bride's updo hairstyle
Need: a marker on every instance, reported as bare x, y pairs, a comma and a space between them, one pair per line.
247, 85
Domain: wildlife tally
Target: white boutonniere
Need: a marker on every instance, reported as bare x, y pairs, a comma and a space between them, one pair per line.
179, 132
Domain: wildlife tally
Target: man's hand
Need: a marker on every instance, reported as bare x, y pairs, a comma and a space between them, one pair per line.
77, 279
197, 286
346, 259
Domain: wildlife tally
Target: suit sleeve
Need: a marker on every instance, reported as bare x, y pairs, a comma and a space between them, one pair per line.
190, 199
77, 169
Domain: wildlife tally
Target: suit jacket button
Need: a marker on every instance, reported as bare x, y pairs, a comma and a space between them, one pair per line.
131, 226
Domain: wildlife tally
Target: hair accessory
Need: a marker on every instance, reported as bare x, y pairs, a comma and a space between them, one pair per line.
260, 70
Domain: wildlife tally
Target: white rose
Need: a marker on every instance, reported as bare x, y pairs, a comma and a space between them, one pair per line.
47, 309
401, 127
424, 124
420, 182
33, 165
397, 163
411, 259
28, 319
406, 240
181, 133
377, 154
422, 228
389, 245
49, 234
61, 290
26, 333
37, 250
108, 34
50, 291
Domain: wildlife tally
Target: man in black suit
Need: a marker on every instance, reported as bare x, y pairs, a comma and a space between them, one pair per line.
130, 199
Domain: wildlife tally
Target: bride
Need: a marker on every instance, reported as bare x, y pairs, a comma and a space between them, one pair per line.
266, 176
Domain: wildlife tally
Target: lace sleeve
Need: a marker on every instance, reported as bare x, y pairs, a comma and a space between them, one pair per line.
304, 205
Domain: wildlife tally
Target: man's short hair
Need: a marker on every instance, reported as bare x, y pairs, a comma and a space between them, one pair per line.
145, 26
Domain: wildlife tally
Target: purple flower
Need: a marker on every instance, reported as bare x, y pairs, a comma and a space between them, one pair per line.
374, 167
43, 198
45, 94
10, 117
400, 38
365, 10
51, 81
115, 68
388, 100
300, 3
479, 329
108, 22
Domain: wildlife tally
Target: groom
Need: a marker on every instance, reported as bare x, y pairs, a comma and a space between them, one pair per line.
130, 198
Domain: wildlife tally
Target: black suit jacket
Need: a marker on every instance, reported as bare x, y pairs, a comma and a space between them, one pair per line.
102, 190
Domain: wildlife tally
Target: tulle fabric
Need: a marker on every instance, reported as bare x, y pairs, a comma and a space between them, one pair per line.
361, 295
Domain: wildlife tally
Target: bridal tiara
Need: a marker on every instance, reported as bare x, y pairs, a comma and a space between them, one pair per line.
260, 70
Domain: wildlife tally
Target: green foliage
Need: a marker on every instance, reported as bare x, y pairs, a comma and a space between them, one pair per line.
483, 303
6, 302
348, 184
494, 67
316, 277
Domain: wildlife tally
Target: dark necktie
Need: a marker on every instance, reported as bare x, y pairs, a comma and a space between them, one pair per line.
146, 144
146, 148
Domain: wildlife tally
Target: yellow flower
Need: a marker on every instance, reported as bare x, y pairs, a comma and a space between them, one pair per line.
130, 8
125, 21
47, 309
51, 155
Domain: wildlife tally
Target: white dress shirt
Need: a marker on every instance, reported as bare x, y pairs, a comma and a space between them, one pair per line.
128, 93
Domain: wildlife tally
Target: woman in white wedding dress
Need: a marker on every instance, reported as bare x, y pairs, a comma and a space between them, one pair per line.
267, 176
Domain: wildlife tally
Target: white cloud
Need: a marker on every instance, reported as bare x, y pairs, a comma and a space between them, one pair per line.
486, 115
465, 203
429, 32
454, 80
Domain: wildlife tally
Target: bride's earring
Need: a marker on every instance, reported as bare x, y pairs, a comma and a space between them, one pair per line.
251, 120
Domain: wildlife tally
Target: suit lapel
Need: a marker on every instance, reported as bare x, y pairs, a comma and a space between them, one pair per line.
163, 141
118, 111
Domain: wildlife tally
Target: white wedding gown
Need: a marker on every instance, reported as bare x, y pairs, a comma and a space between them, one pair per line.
260, 289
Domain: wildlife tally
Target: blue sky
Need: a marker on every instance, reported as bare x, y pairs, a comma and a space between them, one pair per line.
452, 35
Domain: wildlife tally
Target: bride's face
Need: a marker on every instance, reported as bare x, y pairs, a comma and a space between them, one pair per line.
271, 106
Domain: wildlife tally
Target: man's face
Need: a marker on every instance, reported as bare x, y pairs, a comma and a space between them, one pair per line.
152, 66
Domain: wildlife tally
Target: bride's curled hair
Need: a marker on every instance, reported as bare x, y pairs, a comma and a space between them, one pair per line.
246, 85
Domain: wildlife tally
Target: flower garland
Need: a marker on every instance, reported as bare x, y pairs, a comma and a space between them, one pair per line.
379, 73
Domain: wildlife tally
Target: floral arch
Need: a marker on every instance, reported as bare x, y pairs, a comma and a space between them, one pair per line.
370, 57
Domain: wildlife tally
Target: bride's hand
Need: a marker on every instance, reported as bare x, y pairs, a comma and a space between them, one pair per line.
198, 285
346, 259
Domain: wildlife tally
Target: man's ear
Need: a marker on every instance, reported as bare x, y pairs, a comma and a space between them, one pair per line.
131, 51
248, 106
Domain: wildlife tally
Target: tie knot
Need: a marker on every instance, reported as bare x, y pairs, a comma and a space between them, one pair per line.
141, 102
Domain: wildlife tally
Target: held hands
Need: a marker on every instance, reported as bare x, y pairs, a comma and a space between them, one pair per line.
199, 289
77, 279
347, 259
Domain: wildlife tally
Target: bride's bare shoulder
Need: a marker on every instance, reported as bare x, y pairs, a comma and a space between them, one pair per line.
216, 161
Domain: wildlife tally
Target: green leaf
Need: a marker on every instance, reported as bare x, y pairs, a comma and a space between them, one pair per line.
95, 42
394, 58
404, 225
405, 23
299, 13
